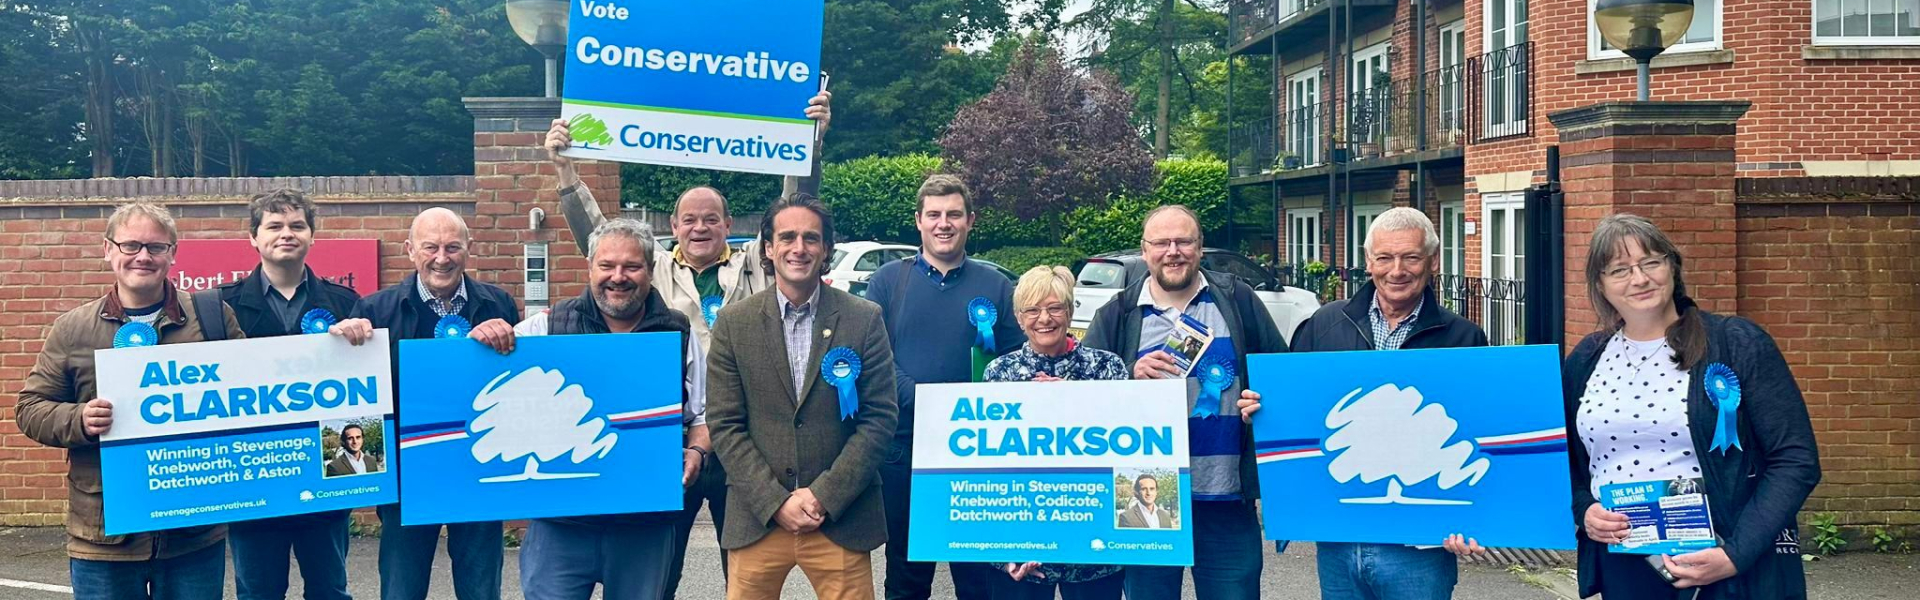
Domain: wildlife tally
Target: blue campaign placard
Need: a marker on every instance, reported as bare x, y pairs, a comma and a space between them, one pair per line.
1085, 472
217, 432
657, 82
586, 424
1663, 517
1410, 446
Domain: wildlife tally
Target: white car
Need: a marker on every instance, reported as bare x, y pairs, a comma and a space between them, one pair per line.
856, 261
1103, 276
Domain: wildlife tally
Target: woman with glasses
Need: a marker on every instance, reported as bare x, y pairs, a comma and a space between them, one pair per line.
1667, 392
1043, 306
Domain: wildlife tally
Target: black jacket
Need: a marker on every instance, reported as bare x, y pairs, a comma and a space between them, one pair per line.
1116, 328
400, 310
248, 299
1343, 325
1753, 493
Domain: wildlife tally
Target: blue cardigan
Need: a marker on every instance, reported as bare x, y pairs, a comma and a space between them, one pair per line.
1753, 493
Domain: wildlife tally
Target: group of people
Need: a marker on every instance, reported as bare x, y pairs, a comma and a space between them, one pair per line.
795, 478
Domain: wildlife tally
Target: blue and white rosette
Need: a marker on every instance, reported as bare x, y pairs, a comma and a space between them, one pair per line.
452, 326
841, 369
1216, 374
135, 335
1723, 388
981, 312
710, 309
318, 320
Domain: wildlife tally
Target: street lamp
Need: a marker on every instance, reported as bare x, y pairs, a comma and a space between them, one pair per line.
543, 25
1643, 28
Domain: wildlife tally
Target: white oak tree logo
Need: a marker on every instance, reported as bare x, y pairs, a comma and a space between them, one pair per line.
536, 415
1388, 434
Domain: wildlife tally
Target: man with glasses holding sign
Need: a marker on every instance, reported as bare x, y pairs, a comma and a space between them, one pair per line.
58, 407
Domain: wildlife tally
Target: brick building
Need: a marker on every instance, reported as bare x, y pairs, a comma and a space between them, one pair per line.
1798, 211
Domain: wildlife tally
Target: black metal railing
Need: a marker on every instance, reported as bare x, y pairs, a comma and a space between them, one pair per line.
1254, 145
1250, 17
1501, 90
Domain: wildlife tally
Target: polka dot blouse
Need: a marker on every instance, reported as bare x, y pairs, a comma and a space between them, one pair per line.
1633, 416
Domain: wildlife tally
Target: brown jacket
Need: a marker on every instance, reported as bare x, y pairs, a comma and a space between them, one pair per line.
340, 466
60, 385
772, 444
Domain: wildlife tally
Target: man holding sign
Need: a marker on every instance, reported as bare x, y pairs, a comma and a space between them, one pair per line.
59, 407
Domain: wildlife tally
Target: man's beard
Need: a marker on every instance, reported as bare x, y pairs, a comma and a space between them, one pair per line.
1175, 286
619, 310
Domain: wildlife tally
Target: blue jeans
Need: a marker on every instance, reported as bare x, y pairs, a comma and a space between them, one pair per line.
562, 560
196, 575
1226, 557
1385, 572
406, 557
318, 541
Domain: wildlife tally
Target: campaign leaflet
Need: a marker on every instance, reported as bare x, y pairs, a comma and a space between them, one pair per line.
1663, 517
1084, 472
1187, 342
215, 432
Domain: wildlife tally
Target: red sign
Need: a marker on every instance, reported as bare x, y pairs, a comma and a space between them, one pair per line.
206, 264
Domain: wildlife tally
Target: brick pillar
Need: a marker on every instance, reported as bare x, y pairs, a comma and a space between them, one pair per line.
512, 176
1671, 162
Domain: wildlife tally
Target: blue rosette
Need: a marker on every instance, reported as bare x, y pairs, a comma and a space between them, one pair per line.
710, 309
841, 369
135, 335
1216, 374
1723, 388
317, 321
452, 326
982, 313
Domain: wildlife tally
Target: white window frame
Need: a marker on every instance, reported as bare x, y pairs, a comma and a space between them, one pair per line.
1504, 318
1719, 36
1312, 148
1813, 18
1453, 85
1303, 249
1453, 245
1359, 218
1509, 85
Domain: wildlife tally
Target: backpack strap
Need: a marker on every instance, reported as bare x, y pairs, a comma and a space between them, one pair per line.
211, 313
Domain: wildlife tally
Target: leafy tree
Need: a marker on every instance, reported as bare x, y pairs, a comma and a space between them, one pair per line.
1159, 50
658, 188
873, 198
1200, 185
899, 73
1047, 139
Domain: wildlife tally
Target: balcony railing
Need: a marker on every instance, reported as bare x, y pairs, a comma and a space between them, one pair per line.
1486, 97
1250, 17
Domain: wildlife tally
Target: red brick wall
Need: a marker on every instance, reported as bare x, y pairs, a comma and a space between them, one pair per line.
1837, 283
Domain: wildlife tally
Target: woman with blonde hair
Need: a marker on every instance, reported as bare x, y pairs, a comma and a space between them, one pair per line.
1668, 392
1043, 306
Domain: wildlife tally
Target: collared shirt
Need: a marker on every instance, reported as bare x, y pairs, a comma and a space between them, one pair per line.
358, 462
1148, 514
284, 308
796, 322
451, 306
705, 281
1213, 443
1391, 339
1173, 312
940, 279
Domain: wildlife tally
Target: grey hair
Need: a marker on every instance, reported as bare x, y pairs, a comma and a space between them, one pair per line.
631, 229
1401, 218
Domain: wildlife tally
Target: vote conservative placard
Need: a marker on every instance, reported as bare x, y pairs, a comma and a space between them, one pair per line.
1086, 472
215, 432
1410, 446
566, 425
711, 85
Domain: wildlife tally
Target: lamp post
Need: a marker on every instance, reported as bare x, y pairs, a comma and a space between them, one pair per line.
1643, 28
543, 25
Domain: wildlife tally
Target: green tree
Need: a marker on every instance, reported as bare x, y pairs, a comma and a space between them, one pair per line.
1159, 50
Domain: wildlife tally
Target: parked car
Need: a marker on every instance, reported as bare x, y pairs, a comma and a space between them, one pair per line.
1104, 275
856, 261
859, 288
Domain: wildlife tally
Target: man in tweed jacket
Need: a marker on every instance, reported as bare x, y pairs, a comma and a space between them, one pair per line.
804, 489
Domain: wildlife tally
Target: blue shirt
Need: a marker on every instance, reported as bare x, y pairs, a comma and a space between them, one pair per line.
928, 324
1213, 443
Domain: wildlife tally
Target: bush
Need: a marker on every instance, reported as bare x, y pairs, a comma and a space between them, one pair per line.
1200, 184
1021, 258
873, 198
659, 187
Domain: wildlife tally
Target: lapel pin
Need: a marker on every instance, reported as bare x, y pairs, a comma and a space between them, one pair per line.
826, 333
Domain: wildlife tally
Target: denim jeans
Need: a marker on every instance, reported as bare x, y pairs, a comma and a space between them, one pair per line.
406, 557
317, 541
197, 575
563, 560
1226, 557
1385, 572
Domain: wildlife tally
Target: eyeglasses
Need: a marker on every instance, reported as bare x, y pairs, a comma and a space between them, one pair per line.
1652, 267
1181, 244
1057, 311
134, 248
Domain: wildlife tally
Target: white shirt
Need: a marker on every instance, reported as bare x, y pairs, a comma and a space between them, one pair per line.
1148, 514
1633, 415
359, 463
695, 369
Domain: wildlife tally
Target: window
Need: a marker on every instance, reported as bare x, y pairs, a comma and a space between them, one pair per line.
1842, 22
1504, 250
1368, 91
1703, 34
1453, 42
1303, 116
1238, 266
1363, 217
1453, 235
1503, 66
870, 261
1303, 236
